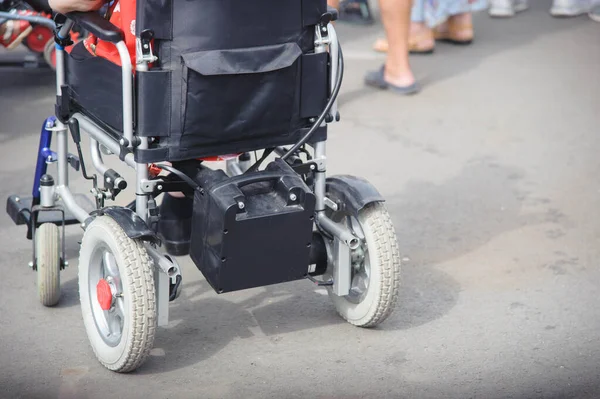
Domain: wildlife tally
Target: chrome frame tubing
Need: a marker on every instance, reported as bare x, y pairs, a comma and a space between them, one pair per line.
320, 153
98, 136
97, 157
344, 239
30, 18
334, 58
62, 188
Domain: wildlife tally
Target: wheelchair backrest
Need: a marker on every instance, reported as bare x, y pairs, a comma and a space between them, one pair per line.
232, 75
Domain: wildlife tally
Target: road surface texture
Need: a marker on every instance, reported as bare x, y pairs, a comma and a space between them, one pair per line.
491, 176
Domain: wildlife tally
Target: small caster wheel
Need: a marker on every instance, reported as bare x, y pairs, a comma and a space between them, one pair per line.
47, 248
375, 267
118, 301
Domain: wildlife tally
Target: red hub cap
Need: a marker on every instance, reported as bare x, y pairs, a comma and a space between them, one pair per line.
104, 294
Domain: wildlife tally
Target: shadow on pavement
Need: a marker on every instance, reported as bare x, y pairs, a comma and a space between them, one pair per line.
435, 223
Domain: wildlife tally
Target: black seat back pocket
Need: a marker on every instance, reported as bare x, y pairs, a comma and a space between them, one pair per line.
239, 94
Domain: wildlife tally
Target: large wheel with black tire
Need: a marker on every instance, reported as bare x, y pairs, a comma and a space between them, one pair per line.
118, 300
375, 267
47, 254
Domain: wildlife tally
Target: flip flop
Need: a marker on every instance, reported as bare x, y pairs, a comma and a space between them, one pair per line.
377, 80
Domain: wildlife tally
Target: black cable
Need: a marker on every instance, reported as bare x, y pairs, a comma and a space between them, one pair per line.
317, 124
180, 174
258, 162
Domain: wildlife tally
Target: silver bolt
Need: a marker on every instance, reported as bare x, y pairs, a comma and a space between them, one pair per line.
17, 199
241, 205
159, 187
66, 263
122, 141
312, 120
30, 264
324, 29
313, 167
293, 197
108, 179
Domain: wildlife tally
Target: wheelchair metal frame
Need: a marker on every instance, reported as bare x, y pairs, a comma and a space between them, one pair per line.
167, 268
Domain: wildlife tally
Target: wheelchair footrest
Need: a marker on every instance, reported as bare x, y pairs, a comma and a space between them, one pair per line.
19, 209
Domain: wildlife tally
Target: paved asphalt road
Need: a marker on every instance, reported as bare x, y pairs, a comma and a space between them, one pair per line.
491, 176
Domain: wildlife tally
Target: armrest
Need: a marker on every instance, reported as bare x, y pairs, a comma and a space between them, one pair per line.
333, 12
96, 25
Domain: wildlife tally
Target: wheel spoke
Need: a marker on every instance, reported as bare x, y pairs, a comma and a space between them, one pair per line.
361, 281
356, 228
114, 323
120, 307
110, 265
115, 318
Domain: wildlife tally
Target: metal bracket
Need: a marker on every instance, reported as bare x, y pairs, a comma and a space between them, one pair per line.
330, 204
321, 163
321, 36
167, 279
149, 186
73, 161
165, 263
144, 48
342, 274
320, 283
57, 129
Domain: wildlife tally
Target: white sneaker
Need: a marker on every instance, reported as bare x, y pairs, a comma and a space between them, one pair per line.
506, 8
569, 8
595, 12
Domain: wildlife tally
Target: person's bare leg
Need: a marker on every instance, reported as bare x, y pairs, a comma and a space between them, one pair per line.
459, 26
395, 15
334, 3
420, 40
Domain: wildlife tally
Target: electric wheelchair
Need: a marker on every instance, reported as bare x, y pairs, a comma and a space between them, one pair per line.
255, 80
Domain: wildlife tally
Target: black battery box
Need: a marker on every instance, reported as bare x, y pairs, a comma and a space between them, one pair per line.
252, 230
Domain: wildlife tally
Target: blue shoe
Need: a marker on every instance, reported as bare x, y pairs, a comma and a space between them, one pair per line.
377, 80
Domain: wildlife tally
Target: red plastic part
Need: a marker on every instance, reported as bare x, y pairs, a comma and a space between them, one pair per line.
37, 39
220, 158
104, 294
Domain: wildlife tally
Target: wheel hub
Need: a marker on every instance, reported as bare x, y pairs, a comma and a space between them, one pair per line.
104, 294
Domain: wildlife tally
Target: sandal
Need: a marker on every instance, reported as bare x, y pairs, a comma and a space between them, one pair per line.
455, 34
376, 79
